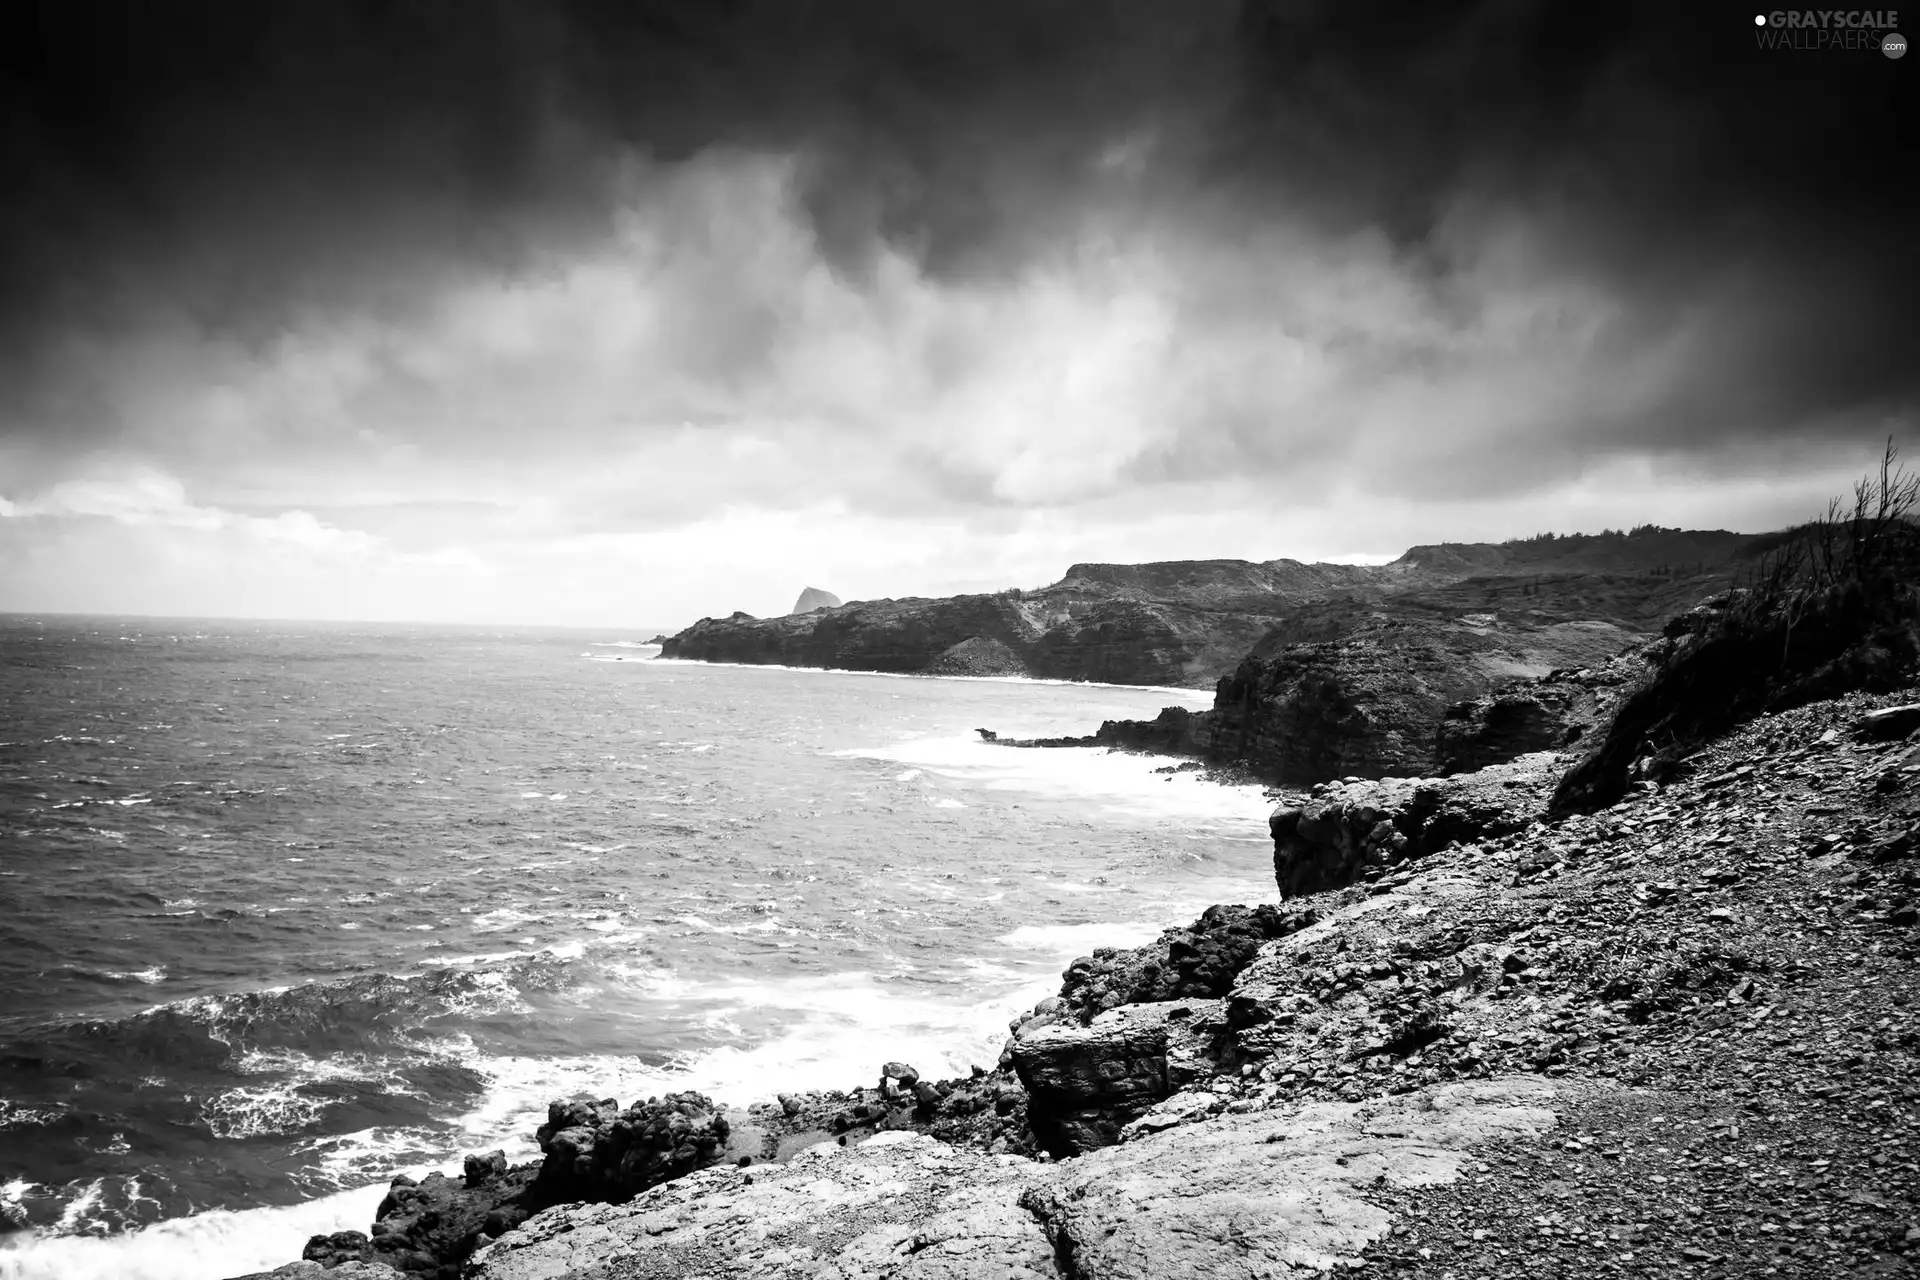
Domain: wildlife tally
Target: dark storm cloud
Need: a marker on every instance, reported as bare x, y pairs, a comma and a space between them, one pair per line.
232, 164
245, 150
1753, 204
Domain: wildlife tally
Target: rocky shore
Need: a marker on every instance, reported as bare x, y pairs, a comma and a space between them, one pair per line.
1633, 997
1675, 1037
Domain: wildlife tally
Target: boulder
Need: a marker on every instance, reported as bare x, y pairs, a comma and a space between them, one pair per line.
1195, 962
596, 1151
1086, 1083
428, 1228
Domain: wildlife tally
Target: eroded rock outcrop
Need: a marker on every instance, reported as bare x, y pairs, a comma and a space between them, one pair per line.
1197, 961
427, 1228
1132, 1026
1350, 829
899, 1205
598, 1151
1239, 1195
1372, 704
1086, 1083
986, 1110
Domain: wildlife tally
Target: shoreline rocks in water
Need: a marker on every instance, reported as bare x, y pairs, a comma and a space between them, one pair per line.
1721, 964
1590, 1039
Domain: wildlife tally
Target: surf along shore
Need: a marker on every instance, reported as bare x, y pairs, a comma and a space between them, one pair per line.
1641, 1008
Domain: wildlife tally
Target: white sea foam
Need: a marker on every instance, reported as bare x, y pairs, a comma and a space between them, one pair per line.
219, 1242
1122, 785
850, 1025
503, 918
151, 976
350, 1159
1078, 939
81, 1206
1173, 693
253, 1111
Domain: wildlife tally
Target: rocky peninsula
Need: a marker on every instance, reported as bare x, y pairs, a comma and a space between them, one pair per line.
1482, 613
1639, 1003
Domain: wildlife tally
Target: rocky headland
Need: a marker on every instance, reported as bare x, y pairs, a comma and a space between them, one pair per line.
1498, 612
1635, 1001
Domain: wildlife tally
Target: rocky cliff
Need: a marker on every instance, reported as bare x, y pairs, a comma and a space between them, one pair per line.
1189, 622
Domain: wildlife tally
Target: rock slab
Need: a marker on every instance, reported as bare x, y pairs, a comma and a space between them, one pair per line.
1239, 1195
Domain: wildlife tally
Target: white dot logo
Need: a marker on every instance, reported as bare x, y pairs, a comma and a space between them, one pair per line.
1759, 19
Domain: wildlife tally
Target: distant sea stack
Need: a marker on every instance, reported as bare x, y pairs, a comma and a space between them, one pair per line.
814, 598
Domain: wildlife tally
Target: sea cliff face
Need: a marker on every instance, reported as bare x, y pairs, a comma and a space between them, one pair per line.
1320, 670
1387, 700
1112, 640
1172, 622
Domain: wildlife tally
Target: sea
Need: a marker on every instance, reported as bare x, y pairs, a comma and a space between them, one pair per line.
289, 908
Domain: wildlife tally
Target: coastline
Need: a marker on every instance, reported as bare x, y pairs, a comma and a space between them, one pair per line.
1080, 797
1426, 1073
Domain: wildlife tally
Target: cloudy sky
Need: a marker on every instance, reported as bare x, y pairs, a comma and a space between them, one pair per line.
622, 312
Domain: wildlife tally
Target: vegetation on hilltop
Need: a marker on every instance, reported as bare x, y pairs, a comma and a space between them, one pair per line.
1828, 607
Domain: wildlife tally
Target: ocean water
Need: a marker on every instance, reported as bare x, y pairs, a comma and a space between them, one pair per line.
288, 908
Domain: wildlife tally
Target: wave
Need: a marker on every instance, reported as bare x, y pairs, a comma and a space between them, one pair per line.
151, 976
1123, 784
230, 1242
1079, 939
